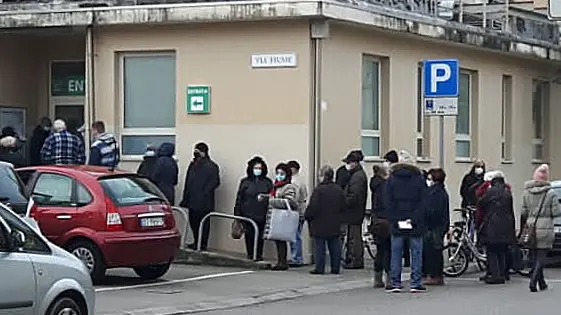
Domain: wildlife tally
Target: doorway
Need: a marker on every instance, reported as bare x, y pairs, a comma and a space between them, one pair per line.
67, 87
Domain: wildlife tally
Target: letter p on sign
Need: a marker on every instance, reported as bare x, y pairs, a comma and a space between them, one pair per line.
441, 78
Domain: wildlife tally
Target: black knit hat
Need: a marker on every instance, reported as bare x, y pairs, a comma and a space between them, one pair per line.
203, 147
391, 157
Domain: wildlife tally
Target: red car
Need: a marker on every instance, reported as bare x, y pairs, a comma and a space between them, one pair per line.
108, 219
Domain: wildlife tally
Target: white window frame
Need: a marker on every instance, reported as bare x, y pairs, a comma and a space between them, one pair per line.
372, 133
422, 130
506, 119
138, 131
466, 137
544, 102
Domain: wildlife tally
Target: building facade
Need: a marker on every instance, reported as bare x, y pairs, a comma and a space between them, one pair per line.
304, 80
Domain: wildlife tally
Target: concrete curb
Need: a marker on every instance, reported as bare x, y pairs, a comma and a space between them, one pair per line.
238, 302
190, 257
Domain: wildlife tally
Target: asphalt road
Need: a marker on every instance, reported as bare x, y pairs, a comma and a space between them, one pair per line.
230, 291
459, 297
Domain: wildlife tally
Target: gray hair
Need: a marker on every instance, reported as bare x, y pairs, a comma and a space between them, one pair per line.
327, 173
59, 125
8, 142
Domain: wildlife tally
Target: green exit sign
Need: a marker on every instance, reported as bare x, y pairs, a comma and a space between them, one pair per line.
68, 86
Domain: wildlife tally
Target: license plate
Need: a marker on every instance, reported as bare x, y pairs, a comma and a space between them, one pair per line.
557, 229
152, 222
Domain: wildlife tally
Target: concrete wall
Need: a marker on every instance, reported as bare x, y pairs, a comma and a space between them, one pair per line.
254, 111
342, 118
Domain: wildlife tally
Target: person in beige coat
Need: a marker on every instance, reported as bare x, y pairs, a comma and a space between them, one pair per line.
540, 206
283, 191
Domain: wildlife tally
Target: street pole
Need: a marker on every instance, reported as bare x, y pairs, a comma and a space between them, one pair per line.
441, 142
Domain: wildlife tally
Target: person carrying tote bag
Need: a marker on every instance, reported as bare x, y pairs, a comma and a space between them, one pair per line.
283, 212
540, 206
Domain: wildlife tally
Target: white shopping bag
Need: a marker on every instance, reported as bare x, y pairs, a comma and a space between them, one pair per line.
282, 224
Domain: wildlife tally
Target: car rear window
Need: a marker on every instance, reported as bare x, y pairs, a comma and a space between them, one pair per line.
11, 187
131, 190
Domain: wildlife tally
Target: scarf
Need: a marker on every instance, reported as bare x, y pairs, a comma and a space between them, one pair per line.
276, 186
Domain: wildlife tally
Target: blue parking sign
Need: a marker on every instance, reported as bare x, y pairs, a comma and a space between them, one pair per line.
441, 78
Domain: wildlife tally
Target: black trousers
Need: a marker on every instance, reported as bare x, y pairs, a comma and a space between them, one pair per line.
249, 236
496, 261
354, 254
383, 257
433, 261
282, 253
334, 246
195, 218
537, 278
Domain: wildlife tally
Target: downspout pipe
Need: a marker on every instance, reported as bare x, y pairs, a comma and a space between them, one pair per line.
89, 102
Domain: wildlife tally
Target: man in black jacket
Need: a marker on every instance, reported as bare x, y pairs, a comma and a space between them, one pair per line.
201, 181
356, 192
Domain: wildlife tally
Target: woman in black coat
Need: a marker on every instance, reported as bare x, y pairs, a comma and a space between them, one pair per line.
497, 230
471, 181
248, 204
437, 223
325, 217
380, 227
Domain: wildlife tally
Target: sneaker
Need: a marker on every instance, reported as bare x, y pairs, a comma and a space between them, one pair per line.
393, 290
419, 289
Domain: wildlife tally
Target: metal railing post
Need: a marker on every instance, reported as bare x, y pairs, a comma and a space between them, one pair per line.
233, 217
185, 215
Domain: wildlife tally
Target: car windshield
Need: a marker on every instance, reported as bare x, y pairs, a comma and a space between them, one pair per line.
12, 189
130, 190
557, 190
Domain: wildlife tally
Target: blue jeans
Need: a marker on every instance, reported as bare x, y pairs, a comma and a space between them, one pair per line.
296, 247
416, 247
334, 246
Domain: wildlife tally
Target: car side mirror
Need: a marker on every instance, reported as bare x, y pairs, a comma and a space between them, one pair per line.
18, 239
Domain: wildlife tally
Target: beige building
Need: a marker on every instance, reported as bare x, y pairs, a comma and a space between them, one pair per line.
304, 80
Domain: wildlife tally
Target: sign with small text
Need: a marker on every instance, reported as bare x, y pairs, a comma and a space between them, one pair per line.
285, 60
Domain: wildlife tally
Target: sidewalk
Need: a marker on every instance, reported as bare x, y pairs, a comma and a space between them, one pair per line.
242, 288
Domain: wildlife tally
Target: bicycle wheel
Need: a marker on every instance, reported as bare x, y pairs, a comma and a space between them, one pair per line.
527, 265
456, 260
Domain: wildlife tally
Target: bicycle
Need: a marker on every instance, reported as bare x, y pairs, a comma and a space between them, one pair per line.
463, 248
367, 240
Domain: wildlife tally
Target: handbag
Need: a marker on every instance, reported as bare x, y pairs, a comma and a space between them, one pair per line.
237, 230
282, 224
528, 235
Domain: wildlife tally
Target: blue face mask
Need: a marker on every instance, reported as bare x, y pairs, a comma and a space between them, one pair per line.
280, 177
257, 171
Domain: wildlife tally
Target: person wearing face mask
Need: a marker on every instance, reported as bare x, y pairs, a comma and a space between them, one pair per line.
342, 175
471, 181
324, 215
356, 193
249, 205
40, 134
201, 181
390, 158
283, 191
437, 222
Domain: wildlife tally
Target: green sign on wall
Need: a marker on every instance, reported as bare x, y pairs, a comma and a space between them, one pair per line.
68, 86
198, 99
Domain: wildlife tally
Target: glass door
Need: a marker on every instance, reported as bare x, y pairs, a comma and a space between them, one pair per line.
72, 114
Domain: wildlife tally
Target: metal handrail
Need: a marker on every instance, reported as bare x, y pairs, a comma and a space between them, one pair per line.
185, 215
233, 217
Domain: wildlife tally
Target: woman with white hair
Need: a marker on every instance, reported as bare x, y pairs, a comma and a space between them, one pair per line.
10, 153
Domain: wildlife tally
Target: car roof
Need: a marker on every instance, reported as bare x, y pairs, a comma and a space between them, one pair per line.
6, 164
93, 171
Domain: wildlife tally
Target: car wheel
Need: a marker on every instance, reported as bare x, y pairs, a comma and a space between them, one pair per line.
65, 306
152, 272
92, 258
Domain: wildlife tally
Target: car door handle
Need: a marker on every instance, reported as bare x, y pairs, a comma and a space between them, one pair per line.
64, 217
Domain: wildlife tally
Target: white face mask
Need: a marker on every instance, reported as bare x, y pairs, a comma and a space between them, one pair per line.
348, 167
386, 164
430, 182
321, 179
478, 170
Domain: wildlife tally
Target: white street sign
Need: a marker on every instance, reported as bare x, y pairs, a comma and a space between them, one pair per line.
441, 106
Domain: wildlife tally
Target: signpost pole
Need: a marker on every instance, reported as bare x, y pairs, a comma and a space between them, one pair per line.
441, 142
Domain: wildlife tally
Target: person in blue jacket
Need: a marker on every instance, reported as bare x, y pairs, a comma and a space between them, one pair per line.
166, 171
404, 203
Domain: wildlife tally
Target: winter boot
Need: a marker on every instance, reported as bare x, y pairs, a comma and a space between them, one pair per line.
378, 280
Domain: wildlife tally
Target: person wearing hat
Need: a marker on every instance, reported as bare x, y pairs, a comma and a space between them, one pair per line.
148, 161
356, 192
342, 174
201, 181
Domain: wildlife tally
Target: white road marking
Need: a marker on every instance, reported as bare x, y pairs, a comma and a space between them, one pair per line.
517, 278
150, 285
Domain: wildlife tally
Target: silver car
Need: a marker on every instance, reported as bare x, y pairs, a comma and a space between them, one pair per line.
37, 277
